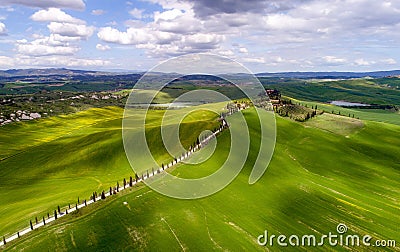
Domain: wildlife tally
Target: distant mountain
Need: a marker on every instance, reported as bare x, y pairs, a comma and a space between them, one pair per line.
301, 75
331, 75
53, 71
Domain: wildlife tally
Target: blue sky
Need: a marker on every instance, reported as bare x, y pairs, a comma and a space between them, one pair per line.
265, 36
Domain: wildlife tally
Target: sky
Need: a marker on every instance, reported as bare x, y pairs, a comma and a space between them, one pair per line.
263, 35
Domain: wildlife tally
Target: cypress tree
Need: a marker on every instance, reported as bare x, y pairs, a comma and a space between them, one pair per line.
30, 222
85, 203
103, 196
44, 222
4, 239
48, 216
66, 211
117, 186
110, 191
130, 181
36, 220
78, 200
55, 214
69, 206
124, 183
18, 234
58, 207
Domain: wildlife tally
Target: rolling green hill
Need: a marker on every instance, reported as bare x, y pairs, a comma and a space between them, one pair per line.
316, 180
52, 162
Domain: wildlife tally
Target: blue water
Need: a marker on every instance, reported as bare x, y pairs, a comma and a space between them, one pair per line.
348, 104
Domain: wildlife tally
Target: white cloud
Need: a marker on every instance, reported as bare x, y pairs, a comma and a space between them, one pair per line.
6, 62
167, 15
389, 61
363, 62
2, 28
59, 61
98, 12
55, 15
131, 37
334, 60
69, 4
71, 30
101, 47
243, 50
45, 46
136, 13
226, 53
254, 60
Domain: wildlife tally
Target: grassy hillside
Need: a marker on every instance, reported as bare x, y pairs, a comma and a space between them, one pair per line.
385, 116
369, 91
54, 161
316, 180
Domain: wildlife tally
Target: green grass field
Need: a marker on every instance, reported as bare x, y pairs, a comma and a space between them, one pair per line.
363, 114
316, 180
52, 162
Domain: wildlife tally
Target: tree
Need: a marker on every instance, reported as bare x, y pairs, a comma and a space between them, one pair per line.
103, 196
94, 198
110, 191
78, 200
32, 224
36, 220
4, 239
44, 222
58, 207
162, 166
124, 183
130, 181
117, 186
55, 216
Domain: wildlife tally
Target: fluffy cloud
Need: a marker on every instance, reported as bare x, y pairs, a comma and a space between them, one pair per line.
98, 12
69, 4
2, 28
334, 60
101, 47
243, 50
136, 13
44, 47
131, 37
363, 62
6, 62
55, 15
71, 30
59, 61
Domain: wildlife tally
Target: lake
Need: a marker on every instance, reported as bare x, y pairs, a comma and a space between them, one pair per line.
348, 104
